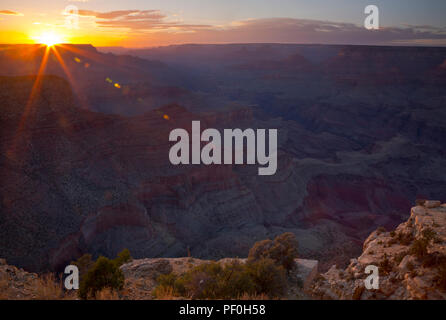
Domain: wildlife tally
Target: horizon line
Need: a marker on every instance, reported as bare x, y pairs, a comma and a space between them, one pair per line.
235, 43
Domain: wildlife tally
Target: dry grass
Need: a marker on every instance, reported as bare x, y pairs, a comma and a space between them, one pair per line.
48, 288
107, 294
165, 293
247, 296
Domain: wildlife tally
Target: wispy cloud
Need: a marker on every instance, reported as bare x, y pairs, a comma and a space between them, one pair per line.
10, 13
289, 30
123, 14
316, 31
284, 30
148, 20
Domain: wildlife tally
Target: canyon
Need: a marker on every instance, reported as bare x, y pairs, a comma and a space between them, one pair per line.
84, 164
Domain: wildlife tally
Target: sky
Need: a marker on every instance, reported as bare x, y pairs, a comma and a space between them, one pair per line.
146, 23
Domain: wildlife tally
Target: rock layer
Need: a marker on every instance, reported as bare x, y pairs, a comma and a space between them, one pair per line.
411, 261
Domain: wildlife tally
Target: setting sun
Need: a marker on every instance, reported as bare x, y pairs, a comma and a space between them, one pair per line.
49, 38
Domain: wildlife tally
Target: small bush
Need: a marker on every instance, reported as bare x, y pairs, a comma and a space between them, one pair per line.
214, 281
405, 238
84, 263
433, 259
385, 264
105, 273
282, 250
268, 278
123, 257
419, 248
429, 234
95, 277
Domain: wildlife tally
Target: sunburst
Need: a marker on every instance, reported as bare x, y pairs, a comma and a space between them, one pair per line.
49, 38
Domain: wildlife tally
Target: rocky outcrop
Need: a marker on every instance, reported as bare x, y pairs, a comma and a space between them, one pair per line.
17, 284
411, 261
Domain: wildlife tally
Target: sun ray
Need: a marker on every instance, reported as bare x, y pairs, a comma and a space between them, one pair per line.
31, 99
71, 79
128, 70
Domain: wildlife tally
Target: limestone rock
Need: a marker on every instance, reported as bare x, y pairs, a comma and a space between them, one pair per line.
432, 204
405, 270
307, 271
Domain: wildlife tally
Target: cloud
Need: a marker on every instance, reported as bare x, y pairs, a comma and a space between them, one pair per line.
290, 30
10, 13
123, 14
148, 20
316, 31
274, 30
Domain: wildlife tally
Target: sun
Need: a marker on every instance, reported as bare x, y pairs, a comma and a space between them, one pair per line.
48, 38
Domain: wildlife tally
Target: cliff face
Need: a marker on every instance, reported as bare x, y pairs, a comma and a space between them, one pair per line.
75, 181
411, 261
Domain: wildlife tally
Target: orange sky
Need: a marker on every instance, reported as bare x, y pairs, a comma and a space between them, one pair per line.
139, 23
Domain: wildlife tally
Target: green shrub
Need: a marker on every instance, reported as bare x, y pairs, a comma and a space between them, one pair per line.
103, 274
282, 250
84, 263
405, 238
419, 248
264, 273
385, 264
167, 280
231, 281
433, 259
209, 281
268, 278
166, 283
123, 257
429, 234
236, 281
